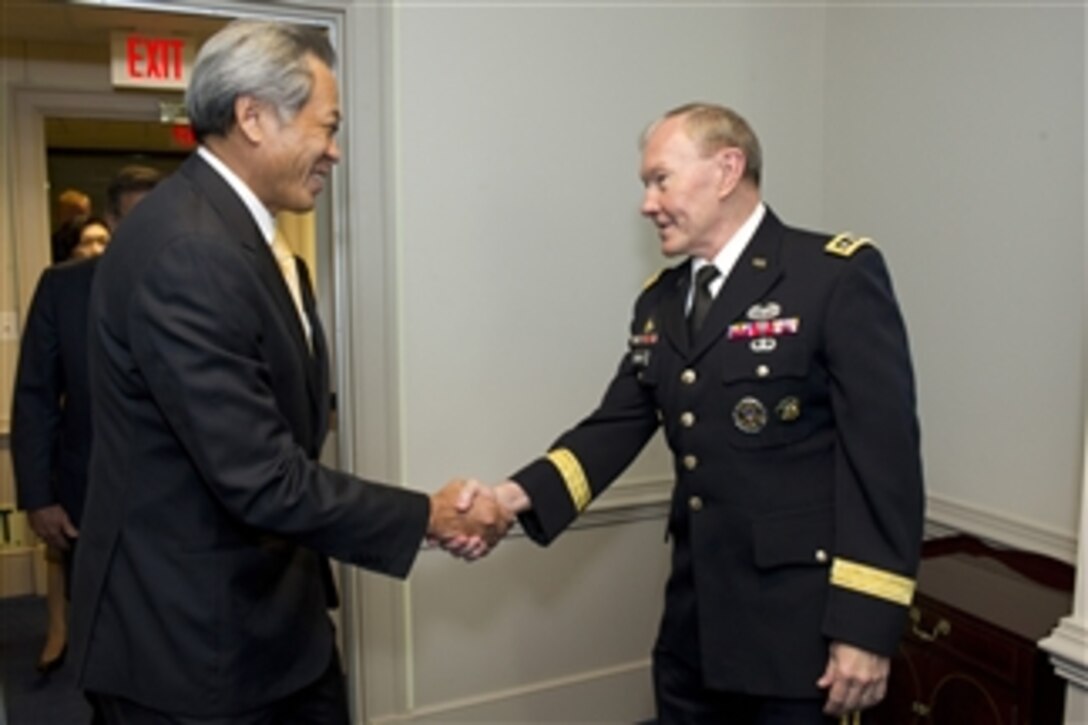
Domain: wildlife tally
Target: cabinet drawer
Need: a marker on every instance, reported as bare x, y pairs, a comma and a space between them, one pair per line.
948, 633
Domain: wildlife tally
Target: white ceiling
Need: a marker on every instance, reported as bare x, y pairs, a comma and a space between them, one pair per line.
62, 21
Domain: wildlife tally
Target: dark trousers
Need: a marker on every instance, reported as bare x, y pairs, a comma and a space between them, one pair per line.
324, 702
683, 700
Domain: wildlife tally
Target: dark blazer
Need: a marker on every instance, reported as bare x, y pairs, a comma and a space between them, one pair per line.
201, 578
796, 517
51, 410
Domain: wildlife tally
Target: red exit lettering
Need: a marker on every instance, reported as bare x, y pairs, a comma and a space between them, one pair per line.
155, 57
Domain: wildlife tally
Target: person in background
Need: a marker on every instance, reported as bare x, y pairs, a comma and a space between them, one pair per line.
127, 187
202, 581
94, 235
50, 419
73, 207
776, 361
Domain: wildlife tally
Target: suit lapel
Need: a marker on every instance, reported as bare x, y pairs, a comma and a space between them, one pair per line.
243, 228
237, 219
755, 272
317, 362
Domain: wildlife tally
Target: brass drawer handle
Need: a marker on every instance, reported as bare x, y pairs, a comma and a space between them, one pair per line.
942, 628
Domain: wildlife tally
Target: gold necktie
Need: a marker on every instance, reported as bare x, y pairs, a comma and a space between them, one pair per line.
289, 268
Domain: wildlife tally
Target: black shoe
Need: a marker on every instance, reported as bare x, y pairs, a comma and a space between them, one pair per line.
45, 667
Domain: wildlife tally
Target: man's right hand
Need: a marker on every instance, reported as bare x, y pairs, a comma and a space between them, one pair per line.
468, 532
54, 527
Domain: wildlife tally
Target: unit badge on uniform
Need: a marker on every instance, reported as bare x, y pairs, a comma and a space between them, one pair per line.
788, 409
749, 415
641, 345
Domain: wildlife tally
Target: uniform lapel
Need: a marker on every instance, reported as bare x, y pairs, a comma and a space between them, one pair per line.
755, 272
673, 315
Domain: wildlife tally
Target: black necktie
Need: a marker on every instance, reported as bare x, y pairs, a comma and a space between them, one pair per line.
700, 303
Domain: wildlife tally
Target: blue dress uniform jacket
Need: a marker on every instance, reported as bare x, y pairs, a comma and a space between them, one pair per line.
201, 581
797, 513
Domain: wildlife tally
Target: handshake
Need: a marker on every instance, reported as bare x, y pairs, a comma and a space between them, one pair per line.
468, 519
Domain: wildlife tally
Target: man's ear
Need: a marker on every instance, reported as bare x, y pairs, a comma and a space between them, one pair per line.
732, 162
248, 113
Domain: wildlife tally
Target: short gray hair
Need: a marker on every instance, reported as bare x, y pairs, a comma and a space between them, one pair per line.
713, 127
266, 60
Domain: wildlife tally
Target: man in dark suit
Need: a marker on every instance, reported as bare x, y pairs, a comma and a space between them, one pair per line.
202, 579
51, 419
777, 362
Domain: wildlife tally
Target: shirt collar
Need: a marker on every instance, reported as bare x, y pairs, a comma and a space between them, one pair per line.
264, 219
731, 251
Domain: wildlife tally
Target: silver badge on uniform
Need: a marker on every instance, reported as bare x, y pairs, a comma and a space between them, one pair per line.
749, 415
763, 344
767, 311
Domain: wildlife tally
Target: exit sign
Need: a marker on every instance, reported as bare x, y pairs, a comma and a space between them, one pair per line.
141, 60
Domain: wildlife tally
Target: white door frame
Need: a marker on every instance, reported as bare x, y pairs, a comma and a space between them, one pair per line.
30, 196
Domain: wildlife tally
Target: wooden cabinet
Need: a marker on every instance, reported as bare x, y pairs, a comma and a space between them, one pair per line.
969, 656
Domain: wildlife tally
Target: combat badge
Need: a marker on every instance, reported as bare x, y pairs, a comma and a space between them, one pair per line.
749, 415
767, 311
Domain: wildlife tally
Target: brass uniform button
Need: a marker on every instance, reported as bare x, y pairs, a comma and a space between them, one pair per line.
763, 371
695, 503
821, 556
690, 462
687, 419
688, 377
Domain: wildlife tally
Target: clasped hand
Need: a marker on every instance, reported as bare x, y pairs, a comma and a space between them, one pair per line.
467, 519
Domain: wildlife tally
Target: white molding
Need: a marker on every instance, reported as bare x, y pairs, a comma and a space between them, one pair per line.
637, 500
628, 501
555, 696
1068, 648
1002, 528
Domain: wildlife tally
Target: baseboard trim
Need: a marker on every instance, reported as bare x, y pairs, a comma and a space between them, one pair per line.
628, 501
500, 705
1001, 528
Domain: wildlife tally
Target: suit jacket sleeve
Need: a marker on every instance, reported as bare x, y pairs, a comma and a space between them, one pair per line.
36, 403
878, 484
197, 335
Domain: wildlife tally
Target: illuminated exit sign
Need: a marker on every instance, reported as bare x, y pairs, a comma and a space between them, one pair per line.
140, 60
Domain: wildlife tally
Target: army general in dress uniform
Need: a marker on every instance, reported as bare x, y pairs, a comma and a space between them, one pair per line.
777, 362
